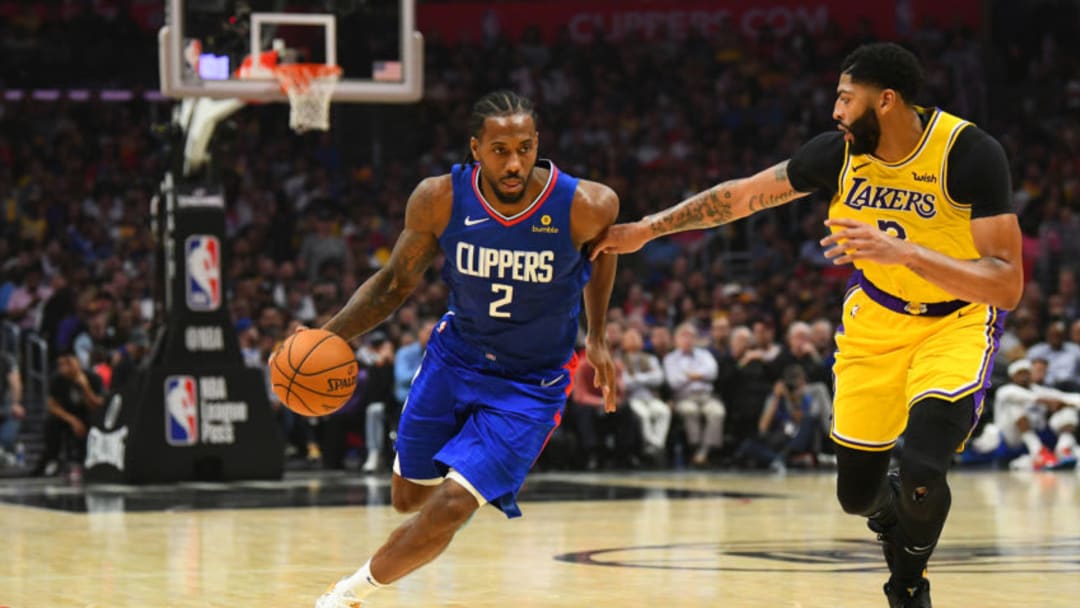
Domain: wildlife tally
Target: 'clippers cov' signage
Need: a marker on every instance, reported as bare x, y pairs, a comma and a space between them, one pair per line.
674, 19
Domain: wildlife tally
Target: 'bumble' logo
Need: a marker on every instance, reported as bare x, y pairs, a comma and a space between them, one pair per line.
545, 225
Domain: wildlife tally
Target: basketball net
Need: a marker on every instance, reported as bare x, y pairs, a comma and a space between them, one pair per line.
310, 86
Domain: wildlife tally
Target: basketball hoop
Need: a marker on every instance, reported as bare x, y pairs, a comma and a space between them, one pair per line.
309, 87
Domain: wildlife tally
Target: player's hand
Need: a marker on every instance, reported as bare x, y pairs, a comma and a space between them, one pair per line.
18, 411
859, 241
621, 238
78, 428
296, 330
599, 357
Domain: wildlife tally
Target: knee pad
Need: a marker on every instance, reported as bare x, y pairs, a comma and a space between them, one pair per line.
924, 494
860, 499
861, 487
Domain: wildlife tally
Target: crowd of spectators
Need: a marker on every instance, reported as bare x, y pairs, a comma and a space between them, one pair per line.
724, 338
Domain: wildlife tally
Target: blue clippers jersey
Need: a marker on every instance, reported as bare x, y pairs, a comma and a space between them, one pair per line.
515, 282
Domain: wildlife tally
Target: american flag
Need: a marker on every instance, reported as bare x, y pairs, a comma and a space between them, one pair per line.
387, 70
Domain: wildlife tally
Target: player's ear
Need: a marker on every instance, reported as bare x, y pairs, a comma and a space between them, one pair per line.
474, 147
887, 99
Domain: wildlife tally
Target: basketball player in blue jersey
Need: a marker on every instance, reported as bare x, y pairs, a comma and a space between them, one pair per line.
499, 365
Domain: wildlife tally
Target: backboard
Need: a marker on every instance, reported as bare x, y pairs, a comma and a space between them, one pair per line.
204, 46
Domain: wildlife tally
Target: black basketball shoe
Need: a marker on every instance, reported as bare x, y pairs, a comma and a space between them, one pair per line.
903, 596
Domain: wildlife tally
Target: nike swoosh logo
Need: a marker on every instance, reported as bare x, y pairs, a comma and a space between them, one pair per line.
857, 167
547, 383
917, 550
471, 222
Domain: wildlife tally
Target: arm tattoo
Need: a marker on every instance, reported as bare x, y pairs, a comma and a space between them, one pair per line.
725, 203
386, 289
762, 201
712, 207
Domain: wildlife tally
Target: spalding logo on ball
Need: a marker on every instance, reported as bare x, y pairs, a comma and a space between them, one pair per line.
314, 372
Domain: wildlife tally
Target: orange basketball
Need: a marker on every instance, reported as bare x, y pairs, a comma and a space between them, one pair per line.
313, 372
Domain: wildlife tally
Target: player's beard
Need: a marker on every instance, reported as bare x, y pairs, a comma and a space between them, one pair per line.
510, 198
865, 133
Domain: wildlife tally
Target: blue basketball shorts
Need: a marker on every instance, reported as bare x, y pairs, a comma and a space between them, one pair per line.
468, 414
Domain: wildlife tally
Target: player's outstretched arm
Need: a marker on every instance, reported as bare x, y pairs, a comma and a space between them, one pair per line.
721, 204
416, 246
595, 208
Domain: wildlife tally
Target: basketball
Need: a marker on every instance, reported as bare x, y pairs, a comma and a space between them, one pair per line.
313, 372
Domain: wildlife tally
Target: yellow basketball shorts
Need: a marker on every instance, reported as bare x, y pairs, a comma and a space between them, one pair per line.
886, 361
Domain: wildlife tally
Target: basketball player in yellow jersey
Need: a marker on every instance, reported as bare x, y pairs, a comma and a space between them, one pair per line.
921, 206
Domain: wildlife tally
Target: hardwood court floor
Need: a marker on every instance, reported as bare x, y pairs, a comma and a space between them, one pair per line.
586, 540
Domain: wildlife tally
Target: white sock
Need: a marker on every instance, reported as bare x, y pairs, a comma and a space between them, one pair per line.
1031, 440
1066, 441
361, 582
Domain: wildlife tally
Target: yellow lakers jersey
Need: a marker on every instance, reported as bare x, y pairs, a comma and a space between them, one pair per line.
909, 200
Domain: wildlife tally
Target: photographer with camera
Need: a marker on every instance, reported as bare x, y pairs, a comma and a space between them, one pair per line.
790, 423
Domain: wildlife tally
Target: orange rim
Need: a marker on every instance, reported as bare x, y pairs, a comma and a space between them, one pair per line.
298, 76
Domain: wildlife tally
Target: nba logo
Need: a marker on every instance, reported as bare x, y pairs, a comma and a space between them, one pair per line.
203, 255
181, 411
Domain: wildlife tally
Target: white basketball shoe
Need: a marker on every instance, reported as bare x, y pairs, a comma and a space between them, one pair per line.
338, 598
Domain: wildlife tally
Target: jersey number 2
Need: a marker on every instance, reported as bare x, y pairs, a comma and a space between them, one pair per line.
508, 295
892, 227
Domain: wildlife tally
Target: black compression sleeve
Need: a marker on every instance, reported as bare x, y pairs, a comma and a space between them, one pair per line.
979, 174
815, 167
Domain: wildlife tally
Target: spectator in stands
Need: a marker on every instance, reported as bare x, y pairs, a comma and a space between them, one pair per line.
73, 394
690, 372
765, 341
322, 248
1074, 332
720, 337
592, 424
28, 298
1063, 358
409, 357
1025, 411
821, 335
12, 411
379, 399
643, 376
133, 354
799, 349
660, 341
93, 337
1070, 294
790, 422
745, 381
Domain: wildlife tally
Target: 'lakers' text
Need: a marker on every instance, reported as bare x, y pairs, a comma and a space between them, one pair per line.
864, 195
